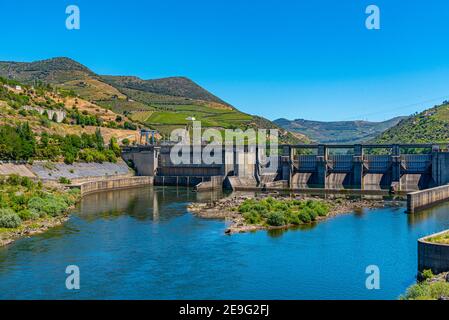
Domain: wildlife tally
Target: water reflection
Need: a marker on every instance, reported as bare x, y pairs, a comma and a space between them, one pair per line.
438, 213
141, 244
146, 203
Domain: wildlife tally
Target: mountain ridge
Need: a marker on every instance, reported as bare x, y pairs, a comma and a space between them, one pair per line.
162, 104
338, 131
428, 126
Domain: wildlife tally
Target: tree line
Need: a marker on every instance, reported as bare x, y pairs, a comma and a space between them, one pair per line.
21, 143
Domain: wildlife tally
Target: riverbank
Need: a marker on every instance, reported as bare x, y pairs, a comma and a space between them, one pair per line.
431, 287
29, 208
230, 209
30, 228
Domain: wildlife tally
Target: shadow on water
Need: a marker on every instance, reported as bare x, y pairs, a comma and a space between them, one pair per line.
437, 213
277, 233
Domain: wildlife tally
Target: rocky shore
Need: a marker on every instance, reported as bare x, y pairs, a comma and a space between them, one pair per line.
31, 228
226, 209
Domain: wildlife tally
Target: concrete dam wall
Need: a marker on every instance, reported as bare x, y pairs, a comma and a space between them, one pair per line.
358, 167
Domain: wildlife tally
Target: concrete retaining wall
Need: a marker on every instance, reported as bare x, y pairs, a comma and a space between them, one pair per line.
432, 255
425, 198
80, 171
7, 169
215, 183
113, 184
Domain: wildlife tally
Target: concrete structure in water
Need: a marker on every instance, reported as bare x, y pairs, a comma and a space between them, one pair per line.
422, 199
298, 167
433, 256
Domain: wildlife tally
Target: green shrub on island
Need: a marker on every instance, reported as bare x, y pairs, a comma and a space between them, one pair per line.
274, 212
276, 219
427, 274
252, 217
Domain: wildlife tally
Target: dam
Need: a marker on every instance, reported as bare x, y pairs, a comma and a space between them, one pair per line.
392, 167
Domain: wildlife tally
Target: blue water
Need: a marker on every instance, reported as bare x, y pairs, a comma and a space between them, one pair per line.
142, 244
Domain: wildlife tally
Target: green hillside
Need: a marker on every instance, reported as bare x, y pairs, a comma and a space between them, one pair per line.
171, 88
161, 104
429, 126
338, 131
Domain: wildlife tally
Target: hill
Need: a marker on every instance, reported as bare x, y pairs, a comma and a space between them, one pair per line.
44, 123
161, 104
338, 131
180, 87
429, 126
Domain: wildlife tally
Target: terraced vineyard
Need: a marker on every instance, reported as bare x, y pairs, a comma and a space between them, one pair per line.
160, 104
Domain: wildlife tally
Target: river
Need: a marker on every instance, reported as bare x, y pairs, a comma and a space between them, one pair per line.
143, 244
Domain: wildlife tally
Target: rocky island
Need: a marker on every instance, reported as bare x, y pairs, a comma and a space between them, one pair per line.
276, 211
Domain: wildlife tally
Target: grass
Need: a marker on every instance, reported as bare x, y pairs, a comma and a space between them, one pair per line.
92, 89
441, 239
442, 113
209, 117
141, 116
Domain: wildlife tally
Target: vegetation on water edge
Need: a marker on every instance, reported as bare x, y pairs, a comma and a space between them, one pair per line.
442, 238
22, 200
272, 212
429, 288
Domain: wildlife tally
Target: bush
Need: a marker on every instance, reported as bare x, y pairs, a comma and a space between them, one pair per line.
252, 217
276, 219
26, 215
64, 180
261, 209
14, 180
246, 206
26, 182
311, 212
286, 211
427, 274
69, 158
292, 217
304, 216
320, 208
49, 205
427, 291
37, 205
439, 289
9, 219
416, 291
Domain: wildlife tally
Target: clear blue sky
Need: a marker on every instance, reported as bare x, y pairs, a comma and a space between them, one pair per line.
292, 59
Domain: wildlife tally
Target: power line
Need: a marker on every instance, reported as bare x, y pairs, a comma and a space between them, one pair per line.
390, 110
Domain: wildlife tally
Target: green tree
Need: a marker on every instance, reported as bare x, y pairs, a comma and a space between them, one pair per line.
113, 145
99, 139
